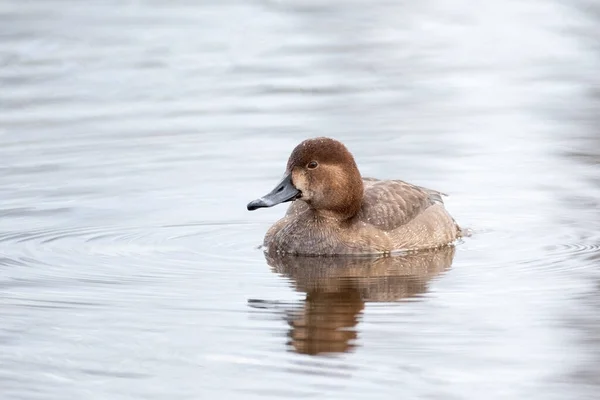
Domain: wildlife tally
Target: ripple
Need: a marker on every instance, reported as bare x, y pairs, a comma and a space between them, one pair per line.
143, 235
4, 261
584, 250
117, 254
32, 212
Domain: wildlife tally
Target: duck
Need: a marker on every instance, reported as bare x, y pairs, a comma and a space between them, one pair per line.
334, 211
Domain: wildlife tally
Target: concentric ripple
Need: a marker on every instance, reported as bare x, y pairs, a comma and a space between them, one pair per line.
112, 252
577, 247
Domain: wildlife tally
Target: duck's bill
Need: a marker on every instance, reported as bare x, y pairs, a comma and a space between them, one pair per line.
284, 191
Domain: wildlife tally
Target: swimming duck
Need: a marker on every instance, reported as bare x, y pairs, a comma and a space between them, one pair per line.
335, 211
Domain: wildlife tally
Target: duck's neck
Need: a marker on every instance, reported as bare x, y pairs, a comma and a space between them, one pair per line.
350, 203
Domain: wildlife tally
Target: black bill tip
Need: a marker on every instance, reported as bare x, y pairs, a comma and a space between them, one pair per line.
256, 204
283, 192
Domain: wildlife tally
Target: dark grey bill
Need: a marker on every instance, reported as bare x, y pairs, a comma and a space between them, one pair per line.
284, 191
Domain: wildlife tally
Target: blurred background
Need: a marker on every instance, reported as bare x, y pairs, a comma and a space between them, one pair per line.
133, 133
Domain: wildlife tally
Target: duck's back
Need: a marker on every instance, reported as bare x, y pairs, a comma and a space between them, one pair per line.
388, 205
413, 217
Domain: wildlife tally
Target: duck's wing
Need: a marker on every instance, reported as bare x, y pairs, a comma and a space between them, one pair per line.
435, 195
388, 205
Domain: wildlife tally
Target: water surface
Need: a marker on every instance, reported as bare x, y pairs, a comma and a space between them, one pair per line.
132, 135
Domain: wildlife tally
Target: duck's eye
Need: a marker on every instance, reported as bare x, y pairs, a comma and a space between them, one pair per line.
312, 165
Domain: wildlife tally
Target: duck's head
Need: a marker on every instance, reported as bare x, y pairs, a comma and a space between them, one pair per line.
322, 173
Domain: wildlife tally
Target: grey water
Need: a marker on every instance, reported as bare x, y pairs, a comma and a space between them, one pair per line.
133, 133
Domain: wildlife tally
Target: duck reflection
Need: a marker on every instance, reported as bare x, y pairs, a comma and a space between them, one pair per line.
337, 289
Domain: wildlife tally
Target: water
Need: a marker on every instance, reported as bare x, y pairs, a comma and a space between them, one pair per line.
132, 135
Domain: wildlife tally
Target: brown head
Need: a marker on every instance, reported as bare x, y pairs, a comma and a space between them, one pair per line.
321, 172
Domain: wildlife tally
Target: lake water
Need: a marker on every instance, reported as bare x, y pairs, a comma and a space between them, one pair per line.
133, 133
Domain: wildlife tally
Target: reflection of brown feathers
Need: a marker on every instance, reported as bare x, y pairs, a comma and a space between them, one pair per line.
375, 278
338, 287
327, 322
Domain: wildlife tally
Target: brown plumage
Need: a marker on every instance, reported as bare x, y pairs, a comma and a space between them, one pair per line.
340, 212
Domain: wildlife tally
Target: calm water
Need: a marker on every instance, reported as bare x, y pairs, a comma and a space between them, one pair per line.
133, 133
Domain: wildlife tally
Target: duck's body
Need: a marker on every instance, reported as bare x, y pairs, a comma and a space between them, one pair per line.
340, 213
394, 216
